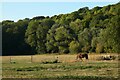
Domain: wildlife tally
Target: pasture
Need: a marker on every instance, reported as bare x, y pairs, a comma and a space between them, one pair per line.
44, 66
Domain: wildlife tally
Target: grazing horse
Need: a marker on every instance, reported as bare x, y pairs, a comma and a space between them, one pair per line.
80, 56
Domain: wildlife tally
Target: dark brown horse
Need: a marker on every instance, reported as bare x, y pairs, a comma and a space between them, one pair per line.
80, 56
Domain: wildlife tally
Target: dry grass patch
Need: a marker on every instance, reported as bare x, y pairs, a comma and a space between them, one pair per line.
51, 57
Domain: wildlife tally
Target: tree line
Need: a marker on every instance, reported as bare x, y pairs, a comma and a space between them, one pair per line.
86, 30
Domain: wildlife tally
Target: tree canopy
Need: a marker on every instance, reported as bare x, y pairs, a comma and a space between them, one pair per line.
86, 30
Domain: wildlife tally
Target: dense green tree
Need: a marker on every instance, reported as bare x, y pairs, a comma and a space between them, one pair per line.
51, 42
74, 47
63, 37
13, 37
38, 18
36, 34
85, 38
76, 26
110, 36
86, 30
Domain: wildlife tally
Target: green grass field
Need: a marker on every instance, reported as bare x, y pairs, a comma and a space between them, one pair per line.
66, 67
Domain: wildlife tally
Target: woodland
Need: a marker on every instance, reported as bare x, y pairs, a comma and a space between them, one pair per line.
95, 30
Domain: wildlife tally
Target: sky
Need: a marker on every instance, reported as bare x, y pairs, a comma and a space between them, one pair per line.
20, 10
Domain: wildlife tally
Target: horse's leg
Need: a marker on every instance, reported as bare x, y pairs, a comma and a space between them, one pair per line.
81, 59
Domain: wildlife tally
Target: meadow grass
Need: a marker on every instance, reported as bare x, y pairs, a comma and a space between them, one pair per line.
65, 68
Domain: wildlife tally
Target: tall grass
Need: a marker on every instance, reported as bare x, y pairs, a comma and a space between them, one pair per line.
47, 66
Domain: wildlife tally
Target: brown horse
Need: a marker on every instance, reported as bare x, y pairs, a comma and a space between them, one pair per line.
80, 56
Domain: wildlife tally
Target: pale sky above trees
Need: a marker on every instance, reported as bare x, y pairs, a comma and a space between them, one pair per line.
20, 10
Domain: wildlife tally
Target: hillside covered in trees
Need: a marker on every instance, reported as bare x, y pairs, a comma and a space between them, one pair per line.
86, 30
